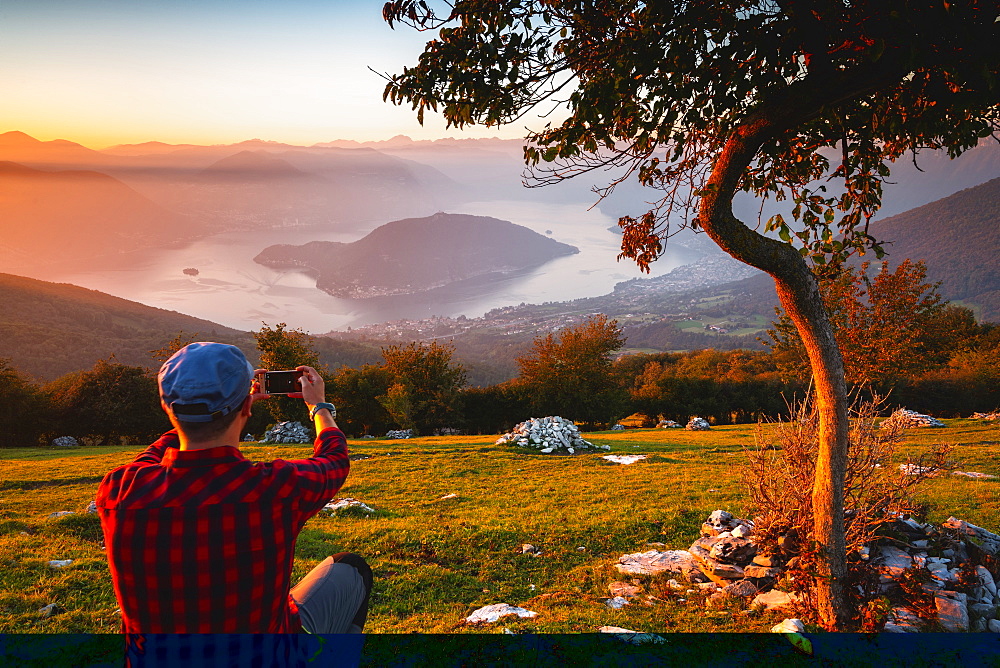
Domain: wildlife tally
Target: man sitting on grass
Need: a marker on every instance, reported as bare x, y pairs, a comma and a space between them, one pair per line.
201, 540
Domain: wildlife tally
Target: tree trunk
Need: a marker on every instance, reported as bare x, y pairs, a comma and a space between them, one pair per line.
798, 291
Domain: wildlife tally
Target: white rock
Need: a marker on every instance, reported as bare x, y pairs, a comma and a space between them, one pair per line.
47, 610
633, 637
340, 504
789, 626
616, 603
623, 459
993, 625
92, 508
60, 563
491, 613
61, 513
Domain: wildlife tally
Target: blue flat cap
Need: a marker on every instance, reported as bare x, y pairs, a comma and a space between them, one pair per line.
204, 381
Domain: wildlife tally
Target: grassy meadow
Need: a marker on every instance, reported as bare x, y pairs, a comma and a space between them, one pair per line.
437, 559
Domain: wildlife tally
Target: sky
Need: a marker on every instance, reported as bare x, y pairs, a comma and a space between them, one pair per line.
105, 72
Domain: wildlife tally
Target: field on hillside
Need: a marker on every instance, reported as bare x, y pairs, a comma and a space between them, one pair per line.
437, 559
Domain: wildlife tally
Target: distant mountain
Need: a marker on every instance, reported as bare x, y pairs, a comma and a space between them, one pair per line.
74, 218
418, 254
253, 165
57, 154
959, 239
50, 329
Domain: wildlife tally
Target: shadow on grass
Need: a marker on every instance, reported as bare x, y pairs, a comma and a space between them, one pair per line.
26, 485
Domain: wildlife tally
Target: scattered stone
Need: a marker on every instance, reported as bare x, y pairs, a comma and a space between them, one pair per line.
61, 513
47, 611
907, 419
766, 560
447, 431
367, 437
60, 563
789, 626
399, 433
973, 474
624, 459
491, 613
616, 603
761, 572
622, 589
982, 611
741, 588
893, 561
248, 438
952, 611
669, 424
92, 508
581, 548
448, 496
530, 550
618, 427
697, 424
987, 579
65, 442
988, 417
548, 434
902, 620
287, 432
341, 504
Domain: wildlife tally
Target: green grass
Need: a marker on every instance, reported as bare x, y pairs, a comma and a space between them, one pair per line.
436, 560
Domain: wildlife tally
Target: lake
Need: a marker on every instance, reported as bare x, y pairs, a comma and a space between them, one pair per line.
233, 290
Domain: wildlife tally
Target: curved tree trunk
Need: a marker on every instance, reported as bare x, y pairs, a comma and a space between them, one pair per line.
799, 293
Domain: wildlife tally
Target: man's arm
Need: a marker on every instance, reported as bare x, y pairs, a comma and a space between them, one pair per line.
154, 453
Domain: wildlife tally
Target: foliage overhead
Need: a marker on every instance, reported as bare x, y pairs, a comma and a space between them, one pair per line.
656, 89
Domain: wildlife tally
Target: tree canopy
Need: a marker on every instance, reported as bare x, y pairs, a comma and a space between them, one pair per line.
571, 374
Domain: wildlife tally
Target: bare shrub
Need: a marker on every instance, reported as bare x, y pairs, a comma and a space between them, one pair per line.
780, 474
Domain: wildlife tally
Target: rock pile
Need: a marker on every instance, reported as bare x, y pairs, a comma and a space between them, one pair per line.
987, 417
906, 419
956, 571
548, 434
65, 442
287, 432
698, 424
618, 427
399, 433
447, 431
669, 424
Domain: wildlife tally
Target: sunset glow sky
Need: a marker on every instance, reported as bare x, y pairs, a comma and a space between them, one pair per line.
104, 72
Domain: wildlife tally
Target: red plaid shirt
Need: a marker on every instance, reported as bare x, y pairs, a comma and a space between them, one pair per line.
201, 541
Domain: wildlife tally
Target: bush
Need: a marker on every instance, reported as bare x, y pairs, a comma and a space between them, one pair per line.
780, 475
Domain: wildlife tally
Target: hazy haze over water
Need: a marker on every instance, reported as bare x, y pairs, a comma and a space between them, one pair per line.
233, 290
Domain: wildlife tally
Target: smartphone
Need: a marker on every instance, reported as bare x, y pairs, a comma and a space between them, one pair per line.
282, 382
